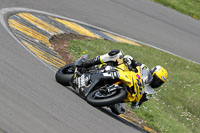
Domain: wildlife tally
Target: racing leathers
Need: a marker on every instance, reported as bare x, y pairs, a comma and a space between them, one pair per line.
119, 108
116, 57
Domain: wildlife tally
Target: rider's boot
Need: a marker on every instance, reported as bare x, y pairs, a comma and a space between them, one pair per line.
118, 108
91, 62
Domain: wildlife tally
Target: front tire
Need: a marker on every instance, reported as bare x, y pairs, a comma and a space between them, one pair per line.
64, 74
106, 101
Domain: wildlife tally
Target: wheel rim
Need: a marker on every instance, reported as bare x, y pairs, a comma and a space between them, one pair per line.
100, 95
68, 70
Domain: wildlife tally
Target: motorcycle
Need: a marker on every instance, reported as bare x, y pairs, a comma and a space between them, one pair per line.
103, 85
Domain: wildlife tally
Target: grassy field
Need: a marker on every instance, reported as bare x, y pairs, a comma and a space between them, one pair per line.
189, 7
175, 107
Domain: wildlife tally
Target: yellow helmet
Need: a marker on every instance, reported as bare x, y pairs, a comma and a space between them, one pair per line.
159, 76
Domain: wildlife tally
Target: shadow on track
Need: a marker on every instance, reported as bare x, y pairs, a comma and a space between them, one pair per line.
126, 122
109, 113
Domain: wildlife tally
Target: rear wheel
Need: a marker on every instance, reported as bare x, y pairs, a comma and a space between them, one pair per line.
98, 98
64, 74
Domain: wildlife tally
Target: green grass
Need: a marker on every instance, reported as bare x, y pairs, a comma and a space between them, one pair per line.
175, 107
189, 7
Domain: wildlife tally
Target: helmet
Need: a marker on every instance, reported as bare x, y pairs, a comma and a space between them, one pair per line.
159, 76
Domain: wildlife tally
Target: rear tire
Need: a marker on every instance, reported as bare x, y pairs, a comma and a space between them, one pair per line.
100, 102
64, 74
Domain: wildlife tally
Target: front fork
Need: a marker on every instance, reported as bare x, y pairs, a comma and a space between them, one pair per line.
107, 89
73, 81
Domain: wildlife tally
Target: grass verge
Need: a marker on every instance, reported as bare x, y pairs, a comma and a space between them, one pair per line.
175, 107
189, 7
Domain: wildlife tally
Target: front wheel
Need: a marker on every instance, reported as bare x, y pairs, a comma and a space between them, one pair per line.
98, 99
64, 74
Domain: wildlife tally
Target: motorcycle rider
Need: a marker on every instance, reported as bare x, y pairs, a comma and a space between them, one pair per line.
153, 78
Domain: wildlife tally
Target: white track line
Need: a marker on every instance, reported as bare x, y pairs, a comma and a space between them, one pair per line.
18, 9
2, 13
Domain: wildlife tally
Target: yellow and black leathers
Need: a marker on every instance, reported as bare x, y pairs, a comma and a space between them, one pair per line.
133, 81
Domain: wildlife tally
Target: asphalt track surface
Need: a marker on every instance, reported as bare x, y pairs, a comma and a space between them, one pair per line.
30, 99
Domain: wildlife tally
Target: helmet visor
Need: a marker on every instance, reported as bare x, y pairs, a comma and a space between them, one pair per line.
156, 82
150, 77
147, 76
